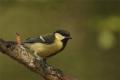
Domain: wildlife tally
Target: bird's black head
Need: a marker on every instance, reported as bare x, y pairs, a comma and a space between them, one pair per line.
62, 35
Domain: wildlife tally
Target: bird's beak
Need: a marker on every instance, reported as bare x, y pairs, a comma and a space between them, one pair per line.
69, 37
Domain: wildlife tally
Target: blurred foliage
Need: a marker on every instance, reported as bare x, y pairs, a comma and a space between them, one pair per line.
92, 54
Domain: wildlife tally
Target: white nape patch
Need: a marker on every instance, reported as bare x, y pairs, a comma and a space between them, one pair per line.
42, 38
59, 36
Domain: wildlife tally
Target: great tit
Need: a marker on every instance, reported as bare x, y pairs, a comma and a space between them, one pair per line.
48, 45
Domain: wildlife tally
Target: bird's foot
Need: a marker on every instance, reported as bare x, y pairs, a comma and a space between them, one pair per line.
42, 62
48, 69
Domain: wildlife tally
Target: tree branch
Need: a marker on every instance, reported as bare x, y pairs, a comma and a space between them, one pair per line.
24, 56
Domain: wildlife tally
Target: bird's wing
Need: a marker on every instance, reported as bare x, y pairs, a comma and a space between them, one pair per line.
46, 39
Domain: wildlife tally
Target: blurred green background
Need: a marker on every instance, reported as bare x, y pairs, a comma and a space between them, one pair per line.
92, 54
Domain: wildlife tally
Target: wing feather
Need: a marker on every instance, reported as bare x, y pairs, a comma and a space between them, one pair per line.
47, 39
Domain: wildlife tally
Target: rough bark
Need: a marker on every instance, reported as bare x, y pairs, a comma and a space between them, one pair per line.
23, 55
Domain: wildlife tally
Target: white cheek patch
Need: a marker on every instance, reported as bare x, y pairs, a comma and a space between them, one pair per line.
59, 36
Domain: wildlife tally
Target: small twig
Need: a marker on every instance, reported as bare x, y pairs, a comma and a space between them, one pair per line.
18, 38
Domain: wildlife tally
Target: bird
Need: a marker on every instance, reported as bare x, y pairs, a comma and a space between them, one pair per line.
48, 45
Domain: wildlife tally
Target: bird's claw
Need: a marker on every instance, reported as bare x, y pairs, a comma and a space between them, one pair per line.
48, 69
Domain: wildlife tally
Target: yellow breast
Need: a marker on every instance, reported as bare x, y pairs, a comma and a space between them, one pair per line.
44, 50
